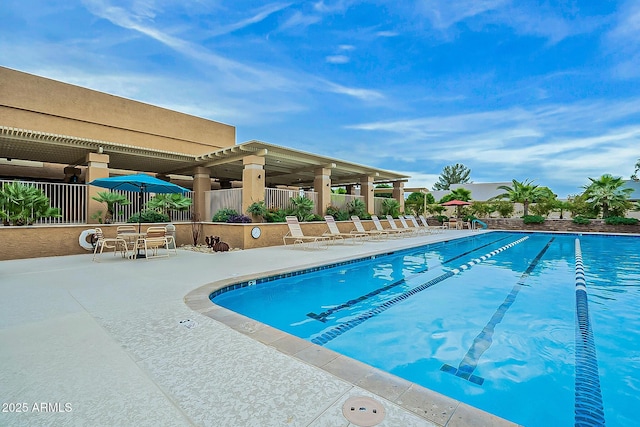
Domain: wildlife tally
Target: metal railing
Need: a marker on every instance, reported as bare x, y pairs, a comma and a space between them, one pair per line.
274, 198
71, 199
124, 212
377, 204
222, 199
341, 201
277, 198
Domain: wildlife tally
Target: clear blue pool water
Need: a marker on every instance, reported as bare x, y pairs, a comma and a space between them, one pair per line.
508, 321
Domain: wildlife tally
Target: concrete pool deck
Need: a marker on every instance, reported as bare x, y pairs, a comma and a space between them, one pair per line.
133, 343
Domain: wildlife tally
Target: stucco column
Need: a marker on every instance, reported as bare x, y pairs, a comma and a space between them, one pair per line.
201, 184
253, 180
322, 186
97, 167
398, 193
366, 190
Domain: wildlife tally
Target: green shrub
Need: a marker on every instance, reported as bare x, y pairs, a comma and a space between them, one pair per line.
358, 208
258, 209
223, 215
619, 220
337, 213
149, 216
505, 209
239, 219
302, 208
391, 207
442, 219
533, 219
275, 215
581, 220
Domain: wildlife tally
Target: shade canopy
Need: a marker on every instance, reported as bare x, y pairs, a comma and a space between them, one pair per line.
141, 183
456, 203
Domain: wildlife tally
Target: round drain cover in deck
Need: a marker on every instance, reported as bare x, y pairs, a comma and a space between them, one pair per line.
363, 411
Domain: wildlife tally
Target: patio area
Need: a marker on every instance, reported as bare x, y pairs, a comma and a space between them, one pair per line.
114, 343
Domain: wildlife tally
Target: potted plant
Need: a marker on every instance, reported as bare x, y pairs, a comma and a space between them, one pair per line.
258, 210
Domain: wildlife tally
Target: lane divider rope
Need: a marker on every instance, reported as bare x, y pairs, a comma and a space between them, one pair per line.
350, 324
589, 410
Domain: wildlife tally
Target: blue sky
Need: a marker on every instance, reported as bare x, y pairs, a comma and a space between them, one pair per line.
545, 91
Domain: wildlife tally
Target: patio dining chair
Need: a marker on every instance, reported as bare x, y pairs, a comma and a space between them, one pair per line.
155, 239
118, 244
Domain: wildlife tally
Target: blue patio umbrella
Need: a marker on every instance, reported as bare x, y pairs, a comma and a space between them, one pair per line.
140, 183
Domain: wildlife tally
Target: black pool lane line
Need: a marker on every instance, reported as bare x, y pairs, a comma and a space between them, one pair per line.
485, 338
350, 324
589, 410
322, 317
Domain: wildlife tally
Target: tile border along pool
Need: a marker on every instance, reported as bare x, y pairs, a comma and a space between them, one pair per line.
426, 404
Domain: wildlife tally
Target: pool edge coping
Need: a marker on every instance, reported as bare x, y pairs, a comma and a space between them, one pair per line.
427, 404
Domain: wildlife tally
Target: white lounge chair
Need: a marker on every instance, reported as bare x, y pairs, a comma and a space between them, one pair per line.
394, 226
297, 237
434, 229
375, 234
414, 224
410, 228
335, 234
391, 231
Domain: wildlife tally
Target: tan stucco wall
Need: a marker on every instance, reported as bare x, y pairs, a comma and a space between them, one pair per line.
37, 103
58, 240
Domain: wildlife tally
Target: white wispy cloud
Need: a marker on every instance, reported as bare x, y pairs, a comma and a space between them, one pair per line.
337, 59
258, 16
541, 21
553, 143
623, 41
443, 13
387, 33
363, 94
299, 20
243, 78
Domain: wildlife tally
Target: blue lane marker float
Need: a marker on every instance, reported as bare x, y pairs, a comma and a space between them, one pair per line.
350, 324
485, 338
322, 317
589, 410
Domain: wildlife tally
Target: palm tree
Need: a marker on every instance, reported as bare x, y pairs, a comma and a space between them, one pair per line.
606, 193
110, 199
168, 203
523, 192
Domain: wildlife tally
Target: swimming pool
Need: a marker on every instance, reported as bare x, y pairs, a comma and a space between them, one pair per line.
489, 320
